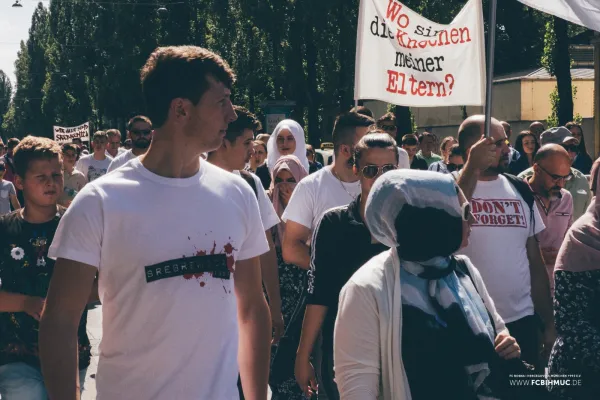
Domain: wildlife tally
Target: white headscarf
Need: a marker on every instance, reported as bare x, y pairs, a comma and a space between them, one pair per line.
273, 153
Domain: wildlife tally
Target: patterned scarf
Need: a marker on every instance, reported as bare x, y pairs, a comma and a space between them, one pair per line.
418, 213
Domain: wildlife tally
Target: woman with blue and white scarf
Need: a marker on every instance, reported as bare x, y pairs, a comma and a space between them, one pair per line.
416, 322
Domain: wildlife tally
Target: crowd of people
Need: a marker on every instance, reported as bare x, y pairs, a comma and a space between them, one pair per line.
229, 261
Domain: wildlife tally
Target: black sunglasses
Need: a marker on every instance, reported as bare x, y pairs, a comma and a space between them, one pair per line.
144, 132
371, 171
454, 167
573, 148
389, 128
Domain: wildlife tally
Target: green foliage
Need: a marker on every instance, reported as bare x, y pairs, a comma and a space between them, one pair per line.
82, 58
547, 60
552, 119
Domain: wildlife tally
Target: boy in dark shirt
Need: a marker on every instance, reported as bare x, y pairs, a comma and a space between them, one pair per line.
341, 244
25, 269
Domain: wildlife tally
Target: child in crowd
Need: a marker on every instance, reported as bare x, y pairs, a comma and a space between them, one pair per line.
26, 270
8, 195
74, 180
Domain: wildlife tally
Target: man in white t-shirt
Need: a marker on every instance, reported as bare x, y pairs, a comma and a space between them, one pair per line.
114, 143
332, 186
139, 131
94, 165
232, 156
503, 245
175, 286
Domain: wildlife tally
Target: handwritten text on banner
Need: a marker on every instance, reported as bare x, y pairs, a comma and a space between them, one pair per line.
405, 59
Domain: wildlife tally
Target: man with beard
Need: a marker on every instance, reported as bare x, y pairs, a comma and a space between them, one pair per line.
139, 130
333, 186
503, 245
578, 185
551, 170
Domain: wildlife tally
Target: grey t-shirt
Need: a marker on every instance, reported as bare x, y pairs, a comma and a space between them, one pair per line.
6, 189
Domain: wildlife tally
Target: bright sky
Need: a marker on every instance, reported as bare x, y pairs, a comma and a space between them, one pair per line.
14, 27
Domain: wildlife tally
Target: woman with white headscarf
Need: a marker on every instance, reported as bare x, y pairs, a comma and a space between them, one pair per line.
287, 139
416, 322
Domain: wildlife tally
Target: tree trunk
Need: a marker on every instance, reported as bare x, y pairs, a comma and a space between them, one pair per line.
403, 121
314, 133
562, 63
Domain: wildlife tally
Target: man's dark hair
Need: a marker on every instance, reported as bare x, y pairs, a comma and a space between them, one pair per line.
70, 146
363, 111
179, 72
138, 118
12, 143
376, 139
410, 140
388, 117
344, 128
425, 135
245, 120
34, 148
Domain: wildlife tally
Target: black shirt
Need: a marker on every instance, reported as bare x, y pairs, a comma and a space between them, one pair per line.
26, 269
341, 245
419, 163
265, 176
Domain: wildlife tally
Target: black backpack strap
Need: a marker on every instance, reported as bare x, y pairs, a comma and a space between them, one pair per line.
527, 195
247, 176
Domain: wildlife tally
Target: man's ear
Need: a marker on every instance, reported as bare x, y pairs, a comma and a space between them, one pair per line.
18, 182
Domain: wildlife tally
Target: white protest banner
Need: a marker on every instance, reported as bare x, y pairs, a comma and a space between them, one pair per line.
405, 59
66, 135
581, 12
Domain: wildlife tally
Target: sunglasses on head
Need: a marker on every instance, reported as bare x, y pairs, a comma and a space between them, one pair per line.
144, 132
454, 167
372, 171
388, 128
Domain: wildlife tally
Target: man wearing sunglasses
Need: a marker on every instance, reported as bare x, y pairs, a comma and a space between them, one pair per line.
551, 171
340, 246
578, 186
139, 130
387, 123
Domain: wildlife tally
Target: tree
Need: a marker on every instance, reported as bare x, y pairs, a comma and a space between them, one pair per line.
557, 61
5, 94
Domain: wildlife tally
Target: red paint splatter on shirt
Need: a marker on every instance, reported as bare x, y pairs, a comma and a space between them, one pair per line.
212, 252
228, 248
202, 284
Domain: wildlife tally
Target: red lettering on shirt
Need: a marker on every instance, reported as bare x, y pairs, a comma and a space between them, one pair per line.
498, 213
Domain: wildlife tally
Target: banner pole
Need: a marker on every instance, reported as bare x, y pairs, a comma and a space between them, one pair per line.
490, 67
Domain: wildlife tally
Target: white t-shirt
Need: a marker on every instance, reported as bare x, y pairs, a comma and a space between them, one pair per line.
316, 194
268, 215
92, 168
121, 160
403, 159
497, 245
166, 335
